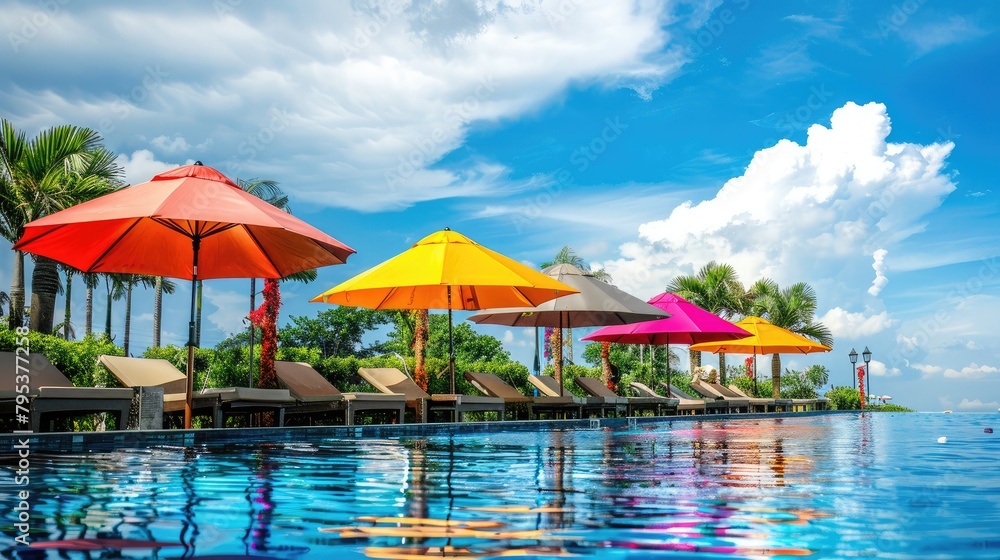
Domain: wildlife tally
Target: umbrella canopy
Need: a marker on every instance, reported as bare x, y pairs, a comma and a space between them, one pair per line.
597, 303
764, 338
192, 223
446, 270
687, 324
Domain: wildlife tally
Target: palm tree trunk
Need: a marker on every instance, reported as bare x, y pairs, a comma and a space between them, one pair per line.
606, 363
128, 316
107, 316
776, 376
44, 287
16, 316
69, 300
157, 311
89, 320
722, 367
420, 336
197, 324
695, 359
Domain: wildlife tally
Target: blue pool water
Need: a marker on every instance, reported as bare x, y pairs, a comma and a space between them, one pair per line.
829, 486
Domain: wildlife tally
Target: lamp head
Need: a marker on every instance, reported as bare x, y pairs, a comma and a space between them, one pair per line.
854, 356
867, 355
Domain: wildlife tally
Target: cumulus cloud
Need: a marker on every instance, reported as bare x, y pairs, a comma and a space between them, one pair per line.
799, 212
369, 97
852, 326
880, 279
879, 369
971, 371
926, 369
141, 166
231, 308
171, 145
978, 405
508, 336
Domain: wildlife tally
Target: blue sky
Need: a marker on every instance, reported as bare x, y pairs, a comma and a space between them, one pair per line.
851, 145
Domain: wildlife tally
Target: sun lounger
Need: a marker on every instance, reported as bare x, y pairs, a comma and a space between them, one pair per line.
219, 403
50, 395
758, 404
425, 405
660, 406
316, 395
790, 405
558, 407
686, 405
548, 386
733, 403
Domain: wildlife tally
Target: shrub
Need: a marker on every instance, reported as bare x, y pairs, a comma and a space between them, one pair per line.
77, 359
888, 407
844, 398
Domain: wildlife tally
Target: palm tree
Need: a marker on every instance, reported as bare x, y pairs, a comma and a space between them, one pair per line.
90, 280
130, 281
793, 308
67, 313
58, 168
421, 334
566, 255
163, 286
716, 288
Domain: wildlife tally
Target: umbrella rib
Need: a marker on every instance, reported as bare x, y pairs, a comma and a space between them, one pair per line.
262, 251
111, 245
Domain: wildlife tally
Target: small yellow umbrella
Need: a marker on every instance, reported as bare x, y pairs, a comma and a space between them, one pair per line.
764, 338
447, 270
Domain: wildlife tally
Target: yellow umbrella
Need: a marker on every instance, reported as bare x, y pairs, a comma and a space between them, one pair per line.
764, 338
447, 270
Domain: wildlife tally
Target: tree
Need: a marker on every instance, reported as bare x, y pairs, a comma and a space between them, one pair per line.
67, 324
129, 281
566, 255
336, 332
421, 322
715, 288
60, 167
794, 309
470, 346
90, 281
162, 286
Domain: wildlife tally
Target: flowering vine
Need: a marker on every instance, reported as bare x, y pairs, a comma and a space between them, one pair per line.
861, 385
749, 364
266, 317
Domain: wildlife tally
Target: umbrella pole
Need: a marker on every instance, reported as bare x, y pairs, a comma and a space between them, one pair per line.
189, 391
451, 349
538, 362
668, 365
562, 362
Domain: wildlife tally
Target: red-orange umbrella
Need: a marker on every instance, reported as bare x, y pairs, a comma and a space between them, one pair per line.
191, 223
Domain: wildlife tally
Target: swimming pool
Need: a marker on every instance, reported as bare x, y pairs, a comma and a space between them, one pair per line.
831, 486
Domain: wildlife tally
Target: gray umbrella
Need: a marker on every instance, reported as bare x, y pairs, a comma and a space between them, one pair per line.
598, 304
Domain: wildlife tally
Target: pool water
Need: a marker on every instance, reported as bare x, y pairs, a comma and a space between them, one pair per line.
827, 486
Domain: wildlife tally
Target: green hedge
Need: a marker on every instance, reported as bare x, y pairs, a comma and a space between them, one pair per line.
77, 359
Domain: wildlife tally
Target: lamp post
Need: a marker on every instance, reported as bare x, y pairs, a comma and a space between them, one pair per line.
867, 356
854, 359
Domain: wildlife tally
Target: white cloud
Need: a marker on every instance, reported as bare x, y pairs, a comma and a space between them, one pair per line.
508, 336
879, 369
940, 33
171, 145
231, 308
978, 405
971, 371
880, 279
141, 166
368, 97
852, 326
799, 212
926, 369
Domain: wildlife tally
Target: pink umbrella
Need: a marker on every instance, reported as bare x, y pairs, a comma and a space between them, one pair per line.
687, 324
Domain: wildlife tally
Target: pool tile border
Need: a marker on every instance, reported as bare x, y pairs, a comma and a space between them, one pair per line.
110, 441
